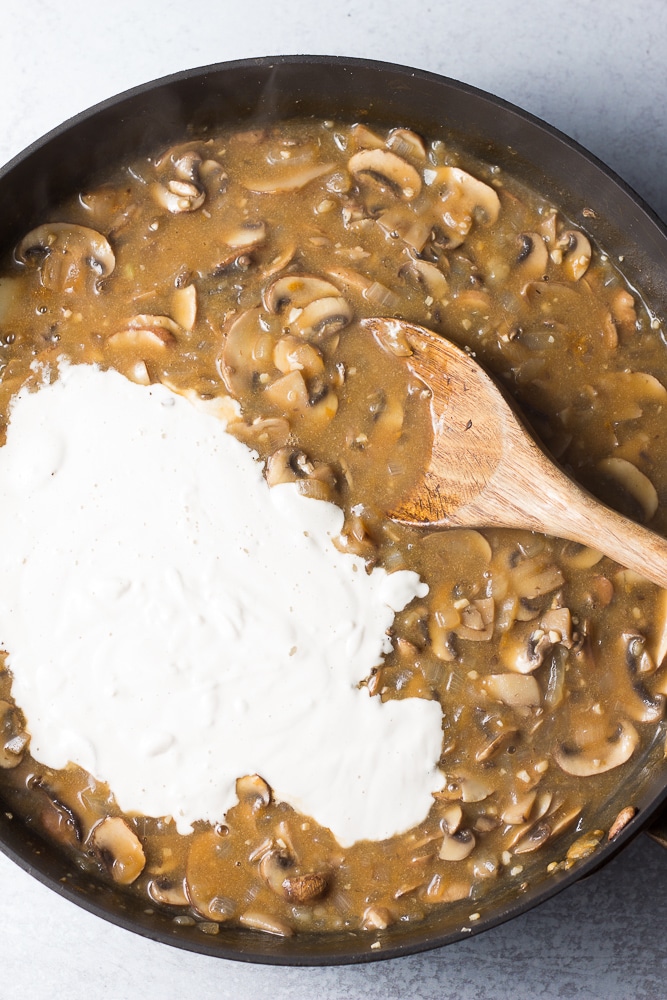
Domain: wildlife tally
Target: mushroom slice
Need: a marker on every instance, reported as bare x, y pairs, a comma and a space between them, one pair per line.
247, 351
576, 253
634, 482
519, 809
599, 755
534, 838
245, 236
63, 250
266, 922
376, 918
120, 849
533, 256
427, 276
405, 142
57, 818
184, 307
534, 577
477, 620
402, 222
253, 791
473, 789
289, 392
294, 291
168, 892
389, 169
321, 318
578, 556
637, 657
13, 737
463, 199
178, 196
293, 354
144, 332
281, 180
314, 479
523, 650
457, 846
514, 690
452, 817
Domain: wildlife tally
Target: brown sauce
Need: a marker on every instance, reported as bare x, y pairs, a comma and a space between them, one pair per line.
239, 265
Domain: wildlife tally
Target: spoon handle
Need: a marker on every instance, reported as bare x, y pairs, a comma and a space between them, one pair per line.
562, 508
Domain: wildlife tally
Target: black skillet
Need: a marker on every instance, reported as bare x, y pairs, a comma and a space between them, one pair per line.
258, 90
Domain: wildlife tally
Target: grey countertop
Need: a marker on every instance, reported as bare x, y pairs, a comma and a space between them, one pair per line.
597, 71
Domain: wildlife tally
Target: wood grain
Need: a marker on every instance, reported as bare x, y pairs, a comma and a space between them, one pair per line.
487, 470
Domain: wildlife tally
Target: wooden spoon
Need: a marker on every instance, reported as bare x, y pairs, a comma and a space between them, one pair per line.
486, 470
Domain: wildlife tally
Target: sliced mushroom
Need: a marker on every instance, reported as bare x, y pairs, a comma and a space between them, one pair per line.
315, 479
463, 199
578, 556
514, 690
179, 196
389, 169
535, 577
184, 307
637, 656
533, 256
576, 253
63, 251
519, 809
245, 236
451, 818
400, 221
376, 918
254, 791
294, 291
321, 318
280, 180
247, 351
119, 849
427, 276
168, 891
13, 737
535, 837
146, 332
405, 142
599, 755
457, 846
293, 354
266, 922
639, 486
523, 649
477, 620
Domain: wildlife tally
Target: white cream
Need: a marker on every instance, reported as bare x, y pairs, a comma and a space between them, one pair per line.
172, 623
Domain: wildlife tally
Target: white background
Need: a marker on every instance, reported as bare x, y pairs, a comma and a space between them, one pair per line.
597, 70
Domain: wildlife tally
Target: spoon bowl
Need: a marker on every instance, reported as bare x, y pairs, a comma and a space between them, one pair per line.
486, 467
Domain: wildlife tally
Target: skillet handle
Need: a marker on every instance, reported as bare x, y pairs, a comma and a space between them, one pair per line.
658, 829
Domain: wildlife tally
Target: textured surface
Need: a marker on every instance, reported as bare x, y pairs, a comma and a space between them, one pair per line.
597, 71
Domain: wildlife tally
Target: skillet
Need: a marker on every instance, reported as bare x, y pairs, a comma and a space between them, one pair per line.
251, 92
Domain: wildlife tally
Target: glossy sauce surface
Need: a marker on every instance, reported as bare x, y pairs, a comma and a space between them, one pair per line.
238, 265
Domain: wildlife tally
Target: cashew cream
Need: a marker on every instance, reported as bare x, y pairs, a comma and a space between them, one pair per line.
172, 623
